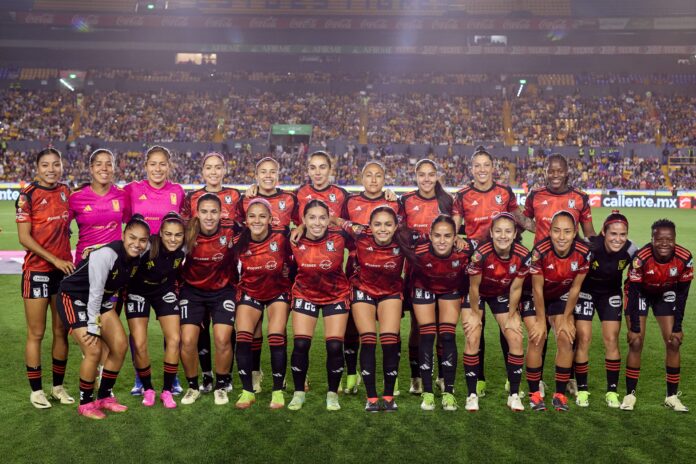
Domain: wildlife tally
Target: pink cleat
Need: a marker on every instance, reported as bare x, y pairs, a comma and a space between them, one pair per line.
91, 411
167, 400
149, 397
111, 404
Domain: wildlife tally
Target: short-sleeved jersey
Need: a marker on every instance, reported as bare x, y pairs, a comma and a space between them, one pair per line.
46, 209
380, 267
419, 212
606, 268
153, 203
542, 204
320, 278
283, 205
262, 275
358, 208
440, 274
159, 274
656, 278
229, 199
478, 207
210, 264
99, 218
333, 195
498, 273
559, 272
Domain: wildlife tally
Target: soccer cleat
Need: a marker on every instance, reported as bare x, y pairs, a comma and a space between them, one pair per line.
472, 403
351, 384
177, 389
149, 398
389, 406
221, 396
480, 388
38, 400
396, 388
137, 389
428, 401
542, 388
629, 402
229, 386
91, 411
207, 385
673, 402
297, 401
515, 403
520, 393
58, 393
167, 399
612, 399
449, 402
440, 384
560, 402
572, 387
190, 396
332, 402
277, 399
245, 400
583, 399
416, 387
110, 403
372, 406
536, 402
256, 379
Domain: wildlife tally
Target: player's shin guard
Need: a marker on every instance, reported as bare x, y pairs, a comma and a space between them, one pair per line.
299, 361
672, 378
390, 361
449, 354
514, 371
108, 380
334, 362
244, 358
471, 370
368, 363
425, 355
279, 359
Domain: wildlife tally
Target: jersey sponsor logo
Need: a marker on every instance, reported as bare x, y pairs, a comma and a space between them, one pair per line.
228, 199
615, 301
281, 205
573, 265
169, 297
228, 305
330, 246
390, 265
172, 198
115, 205
571, 203
499, 199
326, 264
63, 197
672, 271
669, 297
223, 240
87, 209
218, 257
80, 303
271, 265
40, 278
142, 197
82, 316
332, 197
274, 246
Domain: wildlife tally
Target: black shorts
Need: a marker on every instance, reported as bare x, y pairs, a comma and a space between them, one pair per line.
72, 310
526, 306
608, 307
360, 296
662, 304
164, 304
40, 284
498, 304
557, 306
420, 296
197, 305
247, 300
310, 309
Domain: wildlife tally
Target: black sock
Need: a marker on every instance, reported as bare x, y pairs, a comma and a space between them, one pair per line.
390, 361
673, 376
514, 371
413, 361
59, 371
86, 391
351, 346
222, 380
368, 363
425, 355
545, 348
192, 382
299, 361
613, 367
632, 374
439, 353
204, 354
256, 346
244, 358
108, 380
482, 349
34, 376
471, 368
581, 370
449, 354
145, 375
504, 347
562, 378
334, 362
170, 371
533, 378
279, 359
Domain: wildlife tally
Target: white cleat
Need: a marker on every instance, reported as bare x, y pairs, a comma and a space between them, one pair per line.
515, 403
190, 396
256, 379
572, 387
628, 403
416, 387
221, 396
472, 403
673, 402
59, 393
38, 400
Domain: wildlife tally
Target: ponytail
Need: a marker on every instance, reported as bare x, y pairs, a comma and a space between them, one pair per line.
444, 199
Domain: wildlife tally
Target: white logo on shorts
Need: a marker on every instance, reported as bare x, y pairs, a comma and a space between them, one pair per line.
40, 278
615, 301
169, 297
669, 297
37, 293
82, 316
228, 305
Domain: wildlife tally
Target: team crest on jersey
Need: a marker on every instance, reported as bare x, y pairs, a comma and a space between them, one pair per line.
133, 271
330, 246
622, 264
115, 205
573, 265
396, 251
228, 199
281, 205
274, 246
571, 203
672, 271
536, 256
637, 262
513, 268
172, 198
455, 263
62, 196
499, 199
177, 263
332, 197
223, 240
476, 257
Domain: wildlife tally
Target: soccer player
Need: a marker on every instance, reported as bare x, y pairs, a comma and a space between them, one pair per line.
265, 259
154, 286
476, 205
320, 286
601, 293
558, 267
659, 277
43, 227
438, 270
420, 208
377, 292
209, 275
214, 170
496, 275
85, 305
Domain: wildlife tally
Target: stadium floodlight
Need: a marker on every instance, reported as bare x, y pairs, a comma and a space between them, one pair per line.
73, 75
65, 83
150, 6
523, 81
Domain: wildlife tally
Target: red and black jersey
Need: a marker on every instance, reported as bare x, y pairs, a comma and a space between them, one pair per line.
333, 195
229, 197
418, 212
262, 266
440, 274
210, 264
46, 209
380, 267
542, 204
656, 278
283, 205
478, 207
358, 208
498, 273
320, 278
559, 272
159, 274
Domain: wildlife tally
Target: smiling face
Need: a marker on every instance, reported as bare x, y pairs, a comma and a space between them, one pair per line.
373, 180
316, 220
503, 233
615, 236
267, 177
102, 169
562, 234
214, 171
135, 240
258, 218
442, 237
157, 168
556, 176
426, 177
663, 242
209, 216
49, 170
172, 235
482, 171
319, 170
383, 227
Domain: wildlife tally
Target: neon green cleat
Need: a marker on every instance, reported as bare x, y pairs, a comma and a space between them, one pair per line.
277, 399
396, 388
246, 399
332, 402
428, 403
351, 384
583, 399
612, 399
449, 402
481, 388
298, 400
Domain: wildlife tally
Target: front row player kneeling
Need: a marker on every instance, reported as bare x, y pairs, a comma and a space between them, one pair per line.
85, 307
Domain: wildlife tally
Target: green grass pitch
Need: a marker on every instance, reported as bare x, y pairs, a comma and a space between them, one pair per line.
207, 433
